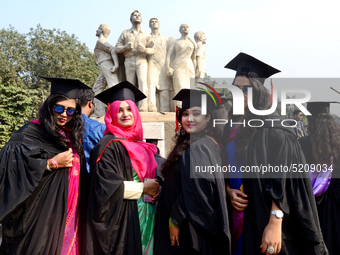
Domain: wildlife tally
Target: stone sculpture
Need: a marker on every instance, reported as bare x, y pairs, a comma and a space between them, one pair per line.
135, 43
181, 60
158, 81
200, 54
108, 60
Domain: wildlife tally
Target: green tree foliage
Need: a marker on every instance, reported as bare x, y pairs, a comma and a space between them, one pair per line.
57, 54
224, 92
13, 55
25, 57
17, 106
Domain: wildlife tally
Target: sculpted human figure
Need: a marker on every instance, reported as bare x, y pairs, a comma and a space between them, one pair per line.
159, 82
200, 54
136, 45
181, 60
108, 60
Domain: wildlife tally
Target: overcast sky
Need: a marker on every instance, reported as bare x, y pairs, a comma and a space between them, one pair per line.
300, 38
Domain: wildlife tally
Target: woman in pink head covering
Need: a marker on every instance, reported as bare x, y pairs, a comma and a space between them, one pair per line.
122, 191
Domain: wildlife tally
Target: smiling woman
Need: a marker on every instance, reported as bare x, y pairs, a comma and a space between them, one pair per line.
125, 115
64, 110
40, 173
193, 121
193, 207
123, 167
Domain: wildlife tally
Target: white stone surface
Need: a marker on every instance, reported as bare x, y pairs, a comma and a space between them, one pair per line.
158, 81
201, 55
181, 60
155, 130
108, 60
135, 44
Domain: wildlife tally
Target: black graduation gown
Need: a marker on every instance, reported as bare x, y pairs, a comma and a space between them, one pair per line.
328, 203
197, 205
112, 222
292, 193
33, 201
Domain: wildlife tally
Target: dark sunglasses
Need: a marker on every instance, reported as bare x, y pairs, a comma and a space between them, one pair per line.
60, 109
244, 89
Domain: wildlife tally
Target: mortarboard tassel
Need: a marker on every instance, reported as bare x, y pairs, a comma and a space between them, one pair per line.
271, 85
177, 126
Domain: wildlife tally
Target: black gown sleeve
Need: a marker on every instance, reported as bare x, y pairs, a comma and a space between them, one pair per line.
197, 198
202, 201
21, 169
33, 201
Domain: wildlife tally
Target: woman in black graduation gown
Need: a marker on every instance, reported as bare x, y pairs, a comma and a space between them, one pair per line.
192, 206
277, 210
322, 149
119, 221
39, 177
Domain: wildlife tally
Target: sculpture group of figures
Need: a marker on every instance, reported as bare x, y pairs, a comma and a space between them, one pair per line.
159, 66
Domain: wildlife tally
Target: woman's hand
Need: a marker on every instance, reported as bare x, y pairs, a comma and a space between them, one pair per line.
64, 159
272, 235
155, 198
236, 199
174, 235
151, 187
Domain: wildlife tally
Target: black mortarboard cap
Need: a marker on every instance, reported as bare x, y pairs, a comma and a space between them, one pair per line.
192, 97
316, 108
244, 64
121, 91
66, 86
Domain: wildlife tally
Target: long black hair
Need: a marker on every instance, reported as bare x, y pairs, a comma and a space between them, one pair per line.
324, 133
182, 139
48, 122
261, 101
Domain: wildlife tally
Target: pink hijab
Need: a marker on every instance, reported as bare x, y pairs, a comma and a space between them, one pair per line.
141, 153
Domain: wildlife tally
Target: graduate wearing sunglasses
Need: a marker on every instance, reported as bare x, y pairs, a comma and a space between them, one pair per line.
40, 171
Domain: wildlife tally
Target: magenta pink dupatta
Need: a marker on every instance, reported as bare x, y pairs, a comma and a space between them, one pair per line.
71, 236
140, 152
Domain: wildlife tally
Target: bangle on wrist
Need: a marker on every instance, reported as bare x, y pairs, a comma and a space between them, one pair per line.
48, 167
54, 163
171, 224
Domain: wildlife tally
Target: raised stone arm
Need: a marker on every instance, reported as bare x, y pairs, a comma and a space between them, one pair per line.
149, 49
142, 49
193, 55
169, 70
198, 72
120, 46
114, 55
